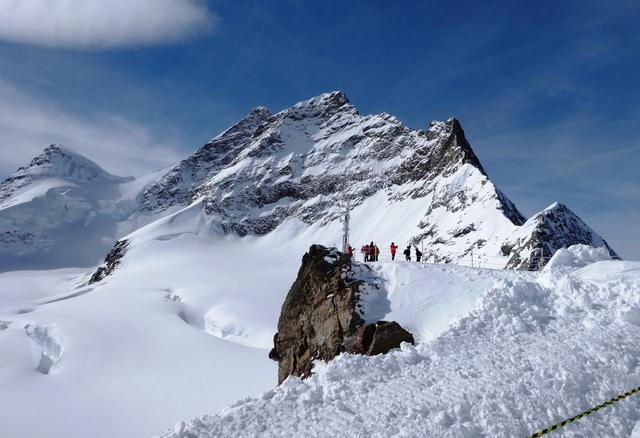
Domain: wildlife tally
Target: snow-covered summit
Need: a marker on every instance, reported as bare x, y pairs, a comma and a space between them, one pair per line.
61, 209
310, 160
56, 161
553, 228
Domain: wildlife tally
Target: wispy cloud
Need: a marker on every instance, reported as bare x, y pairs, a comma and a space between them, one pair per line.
28, 125
100, 23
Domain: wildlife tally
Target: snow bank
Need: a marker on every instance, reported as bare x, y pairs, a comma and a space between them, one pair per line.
577, 256
534, 350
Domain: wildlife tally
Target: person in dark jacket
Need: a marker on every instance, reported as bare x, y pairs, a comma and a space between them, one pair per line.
407, 253
418, 254
376, 250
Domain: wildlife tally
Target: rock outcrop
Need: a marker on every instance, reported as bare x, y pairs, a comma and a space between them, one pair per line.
111, 261
322, 317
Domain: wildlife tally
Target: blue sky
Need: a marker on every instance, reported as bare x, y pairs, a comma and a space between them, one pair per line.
548, 92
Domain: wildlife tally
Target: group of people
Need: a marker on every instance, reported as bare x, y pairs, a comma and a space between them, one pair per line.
371, 252
407, 253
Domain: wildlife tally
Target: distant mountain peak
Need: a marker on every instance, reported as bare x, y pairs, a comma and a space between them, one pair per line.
557, 206
323, 106
57, 161
553, 228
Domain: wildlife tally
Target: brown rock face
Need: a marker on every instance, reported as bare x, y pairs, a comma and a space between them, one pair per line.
319, 319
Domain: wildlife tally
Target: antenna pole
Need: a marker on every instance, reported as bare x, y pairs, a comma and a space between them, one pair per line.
345, 230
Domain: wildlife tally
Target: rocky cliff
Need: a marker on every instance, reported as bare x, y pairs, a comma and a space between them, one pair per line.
322, 316
307, 159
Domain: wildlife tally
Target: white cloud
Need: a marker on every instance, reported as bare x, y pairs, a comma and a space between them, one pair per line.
101, 23
28, 125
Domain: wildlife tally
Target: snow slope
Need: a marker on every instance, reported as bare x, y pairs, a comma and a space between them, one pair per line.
64, 210
121, 359
529, 351
181, 328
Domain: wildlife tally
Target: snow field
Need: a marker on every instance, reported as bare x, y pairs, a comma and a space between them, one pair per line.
184, 325
534, 350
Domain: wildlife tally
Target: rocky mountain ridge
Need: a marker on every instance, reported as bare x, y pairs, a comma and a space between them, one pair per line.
306, 163
307, 159
544, 233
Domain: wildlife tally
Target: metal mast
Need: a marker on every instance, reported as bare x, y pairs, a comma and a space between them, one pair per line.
345, 230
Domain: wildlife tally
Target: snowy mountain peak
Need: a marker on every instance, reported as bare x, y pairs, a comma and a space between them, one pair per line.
546, 232
59, 210
324, 106
330, 100
60, 161
455, 149
557, 206
56, 161
307, 159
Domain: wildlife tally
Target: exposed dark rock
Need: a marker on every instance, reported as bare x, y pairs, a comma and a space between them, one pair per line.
554, 228
382, 336
111, 261
319, 318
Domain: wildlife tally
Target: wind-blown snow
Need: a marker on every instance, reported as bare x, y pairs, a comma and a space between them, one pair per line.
535, 349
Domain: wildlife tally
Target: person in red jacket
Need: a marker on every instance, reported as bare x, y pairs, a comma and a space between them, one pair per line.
365, 251
393, 249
